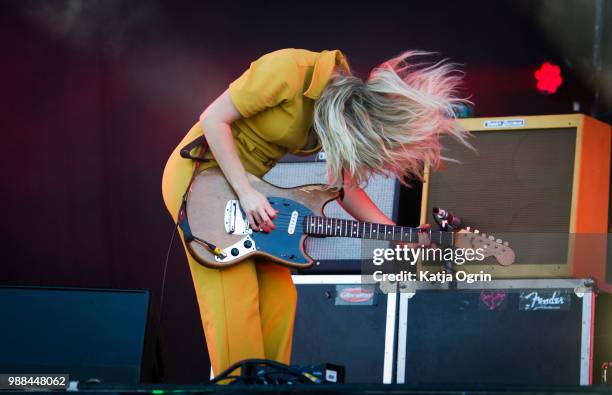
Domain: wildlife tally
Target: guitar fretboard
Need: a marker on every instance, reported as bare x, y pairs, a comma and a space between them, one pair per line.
336, 227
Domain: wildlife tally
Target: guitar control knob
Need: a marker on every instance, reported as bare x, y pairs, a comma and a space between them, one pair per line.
248, 244
235, 251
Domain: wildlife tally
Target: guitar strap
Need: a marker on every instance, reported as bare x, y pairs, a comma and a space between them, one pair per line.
201, 145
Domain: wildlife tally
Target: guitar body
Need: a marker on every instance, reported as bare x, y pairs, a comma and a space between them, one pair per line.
223, 236
215, 216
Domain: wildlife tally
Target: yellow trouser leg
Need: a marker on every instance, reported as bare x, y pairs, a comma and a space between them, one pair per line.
229, 308
248, 310
278, 298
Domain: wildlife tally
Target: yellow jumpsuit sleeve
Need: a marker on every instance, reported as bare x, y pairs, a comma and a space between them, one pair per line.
269, 81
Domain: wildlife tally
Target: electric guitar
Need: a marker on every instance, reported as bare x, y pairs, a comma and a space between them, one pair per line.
221, 235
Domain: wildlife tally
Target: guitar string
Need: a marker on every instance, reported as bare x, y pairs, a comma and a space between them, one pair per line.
398, 235
403, 232
409, 235
285, 219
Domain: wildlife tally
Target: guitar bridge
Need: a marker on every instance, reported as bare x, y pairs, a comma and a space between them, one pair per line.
235, 220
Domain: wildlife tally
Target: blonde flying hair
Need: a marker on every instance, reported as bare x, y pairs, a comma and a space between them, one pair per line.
390, 123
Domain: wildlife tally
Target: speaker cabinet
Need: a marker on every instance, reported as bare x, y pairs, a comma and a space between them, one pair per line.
333, 255
499, 333
602, 349
341, 320
88, 333
539, 182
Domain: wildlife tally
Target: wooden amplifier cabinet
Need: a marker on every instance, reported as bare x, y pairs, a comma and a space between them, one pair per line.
540, 182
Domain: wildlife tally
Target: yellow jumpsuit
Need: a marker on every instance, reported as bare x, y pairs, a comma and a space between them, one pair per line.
248, 310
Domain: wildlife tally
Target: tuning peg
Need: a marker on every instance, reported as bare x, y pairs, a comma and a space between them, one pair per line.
506, 243
476, 231
499, 241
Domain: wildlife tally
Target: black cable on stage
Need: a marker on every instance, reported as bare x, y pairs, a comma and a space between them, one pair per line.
263, 372
163, 285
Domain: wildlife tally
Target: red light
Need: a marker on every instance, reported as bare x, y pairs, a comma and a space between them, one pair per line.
549, 78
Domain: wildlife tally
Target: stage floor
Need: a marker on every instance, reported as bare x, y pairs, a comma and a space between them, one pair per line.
161, 389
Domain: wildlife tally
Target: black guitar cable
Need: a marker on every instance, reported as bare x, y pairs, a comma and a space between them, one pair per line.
186, 154
213, 248
163, 285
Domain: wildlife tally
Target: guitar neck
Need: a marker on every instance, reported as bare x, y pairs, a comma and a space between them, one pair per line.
336, 227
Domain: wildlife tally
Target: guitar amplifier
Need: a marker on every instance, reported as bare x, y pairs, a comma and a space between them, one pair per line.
539, 182
333, 254
344, 322
506, 332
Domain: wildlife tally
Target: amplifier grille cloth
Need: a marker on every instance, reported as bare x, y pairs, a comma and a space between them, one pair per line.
519, 181
382, 190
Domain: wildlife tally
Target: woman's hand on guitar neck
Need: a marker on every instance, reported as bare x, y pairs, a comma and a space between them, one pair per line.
424, 239
257, 208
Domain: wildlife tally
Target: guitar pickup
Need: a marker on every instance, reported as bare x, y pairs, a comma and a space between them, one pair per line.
292, 222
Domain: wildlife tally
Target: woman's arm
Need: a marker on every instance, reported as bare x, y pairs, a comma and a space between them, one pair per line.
216, 121
359, 205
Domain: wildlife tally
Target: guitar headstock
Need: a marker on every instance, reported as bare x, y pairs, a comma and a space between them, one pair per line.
489, 245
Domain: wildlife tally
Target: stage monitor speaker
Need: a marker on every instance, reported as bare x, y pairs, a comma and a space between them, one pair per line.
507, 332
86, 333
341, 321
539, 182
333, 254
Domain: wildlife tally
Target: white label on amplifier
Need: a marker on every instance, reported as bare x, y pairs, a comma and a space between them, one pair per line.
505, 123
321, 155
331, 376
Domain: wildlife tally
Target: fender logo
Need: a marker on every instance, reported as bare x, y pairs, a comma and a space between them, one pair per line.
543, 300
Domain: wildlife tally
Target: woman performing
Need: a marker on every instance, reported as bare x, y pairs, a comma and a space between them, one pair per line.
300, 101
